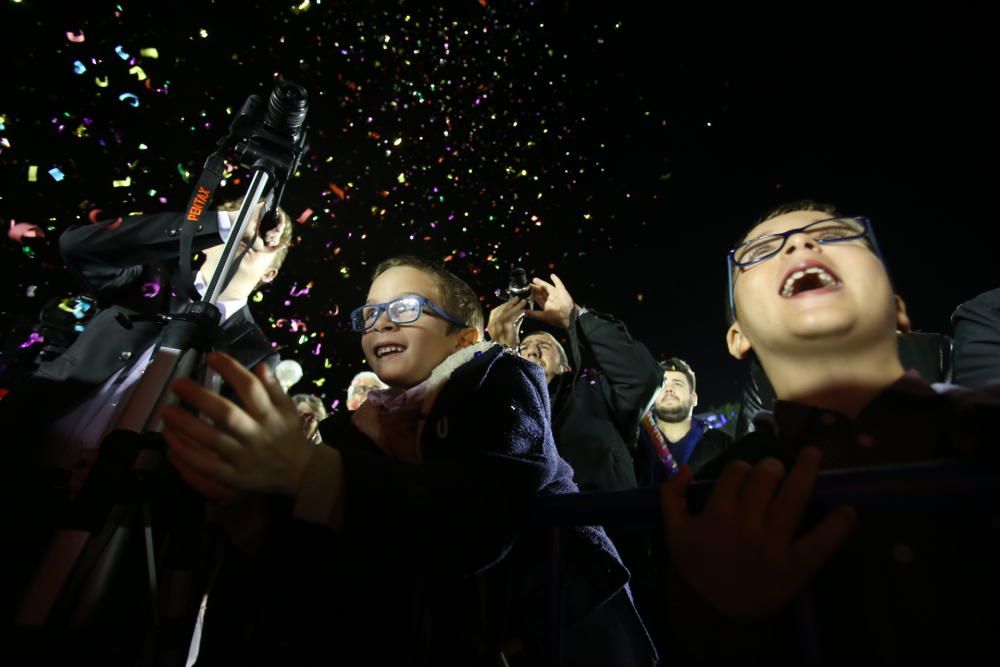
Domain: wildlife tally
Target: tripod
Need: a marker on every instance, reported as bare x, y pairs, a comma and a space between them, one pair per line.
132, 520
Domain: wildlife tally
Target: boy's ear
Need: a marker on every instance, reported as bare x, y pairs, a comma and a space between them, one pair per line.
467, 337
269, 275
738, 344
903, 324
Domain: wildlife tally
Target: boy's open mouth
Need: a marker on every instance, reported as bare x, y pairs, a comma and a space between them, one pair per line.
810, 278
389, 349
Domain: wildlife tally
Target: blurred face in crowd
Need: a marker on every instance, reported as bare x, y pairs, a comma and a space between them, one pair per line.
358, 391
676, 400
543, 349
308, 417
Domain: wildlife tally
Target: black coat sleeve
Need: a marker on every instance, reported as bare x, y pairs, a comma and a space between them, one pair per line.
111, 254
976, 325
632, 374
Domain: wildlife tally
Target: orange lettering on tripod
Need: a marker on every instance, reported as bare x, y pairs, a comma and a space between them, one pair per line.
200, 201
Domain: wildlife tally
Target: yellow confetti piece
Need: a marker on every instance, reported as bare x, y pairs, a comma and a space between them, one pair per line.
203, 33
122, 184
150, 52
320, 382
258, 297
32, 173
102, 83
401, 178
139, 74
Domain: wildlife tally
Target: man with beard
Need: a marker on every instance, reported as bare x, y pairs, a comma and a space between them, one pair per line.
689, 439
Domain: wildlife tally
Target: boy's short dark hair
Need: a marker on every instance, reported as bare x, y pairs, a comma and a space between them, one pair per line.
679, 366
457, 298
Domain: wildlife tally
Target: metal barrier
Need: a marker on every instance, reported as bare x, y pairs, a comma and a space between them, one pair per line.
937, 487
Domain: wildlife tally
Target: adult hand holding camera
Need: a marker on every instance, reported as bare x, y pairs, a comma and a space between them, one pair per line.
555, 305
504, 321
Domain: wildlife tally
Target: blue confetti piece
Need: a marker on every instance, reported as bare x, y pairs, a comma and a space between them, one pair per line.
121, 53
56, 174
132, 99
79, 67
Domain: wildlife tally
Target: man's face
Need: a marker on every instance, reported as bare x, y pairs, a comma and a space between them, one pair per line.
676, 401
358, 392
308, 417
257, 264
403, 355
810, 293
542, 350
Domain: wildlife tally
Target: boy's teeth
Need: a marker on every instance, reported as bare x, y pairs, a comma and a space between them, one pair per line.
382, 351
816, 272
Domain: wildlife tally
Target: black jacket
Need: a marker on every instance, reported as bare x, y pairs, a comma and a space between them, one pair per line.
976, 324
122, 263
434, 563
596, 409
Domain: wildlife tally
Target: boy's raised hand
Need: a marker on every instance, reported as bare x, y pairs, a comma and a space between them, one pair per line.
554, 302
257, 447
741, 553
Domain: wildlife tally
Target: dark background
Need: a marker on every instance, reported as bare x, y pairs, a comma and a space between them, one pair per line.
624, 146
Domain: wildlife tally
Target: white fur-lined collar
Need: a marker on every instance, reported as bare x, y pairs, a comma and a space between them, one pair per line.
442, 372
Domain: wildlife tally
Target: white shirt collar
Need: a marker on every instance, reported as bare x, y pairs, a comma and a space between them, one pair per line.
226, 306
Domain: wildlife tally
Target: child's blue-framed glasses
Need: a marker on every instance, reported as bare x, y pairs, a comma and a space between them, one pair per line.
404, 310
829, 230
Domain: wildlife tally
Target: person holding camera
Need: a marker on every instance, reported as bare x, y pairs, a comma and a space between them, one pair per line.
55, 419
596, 408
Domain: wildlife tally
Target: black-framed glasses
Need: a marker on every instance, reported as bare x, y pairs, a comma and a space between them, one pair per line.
404, 310
829, 230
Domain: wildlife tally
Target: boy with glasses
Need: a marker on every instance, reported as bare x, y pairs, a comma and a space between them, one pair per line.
371, 543
811, 298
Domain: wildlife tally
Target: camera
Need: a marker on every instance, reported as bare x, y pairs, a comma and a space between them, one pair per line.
273, 135
519, 284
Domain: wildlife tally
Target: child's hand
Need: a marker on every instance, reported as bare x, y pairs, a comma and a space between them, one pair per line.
504, 320
740, 553
553, 299
180, 450
259, 447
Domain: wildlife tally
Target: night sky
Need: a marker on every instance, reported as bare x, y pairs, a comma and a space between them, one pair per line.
623, 146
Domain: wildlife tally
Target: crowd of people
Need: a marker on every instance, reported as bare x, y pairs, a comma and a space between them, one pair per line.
399, 531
